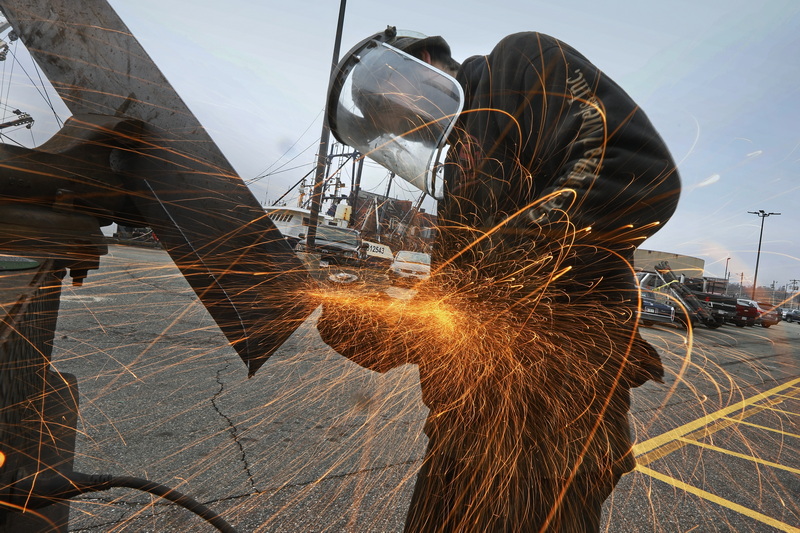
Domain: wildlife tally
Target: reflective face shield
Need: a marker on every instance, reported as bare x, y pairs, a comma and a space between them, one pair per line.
395, 109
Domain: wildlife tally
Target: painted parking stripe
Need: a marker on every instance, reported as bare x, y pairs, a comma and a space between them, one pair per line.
665, 438
765, 428
722, 502
689, 434
666, 447
740, 455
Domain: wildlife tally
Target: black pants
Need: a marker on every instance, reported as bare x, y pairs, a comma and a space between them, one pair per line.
442, 502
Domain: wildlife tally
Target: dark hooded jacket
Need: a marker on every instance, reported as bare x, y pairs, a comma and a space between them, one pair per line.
541, 120
554, 176
551, 161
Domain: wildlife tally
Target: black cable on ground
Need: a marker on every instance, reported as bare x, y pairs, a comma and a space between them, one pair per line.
34, 492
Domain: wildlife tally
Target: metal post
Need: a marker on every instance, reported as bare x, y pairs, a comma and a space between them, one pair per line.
762, 215
357, 183
38, 406
322, 155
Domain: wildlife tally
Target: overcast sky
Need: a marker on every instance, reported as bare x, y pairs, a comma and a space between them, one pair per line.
719, 79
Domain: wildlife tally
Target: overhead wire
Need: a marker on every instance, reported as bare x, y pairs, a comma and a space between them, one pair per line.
5, 92
280, 169
40, 87
5, 88
47, 95
266, 172
10, 139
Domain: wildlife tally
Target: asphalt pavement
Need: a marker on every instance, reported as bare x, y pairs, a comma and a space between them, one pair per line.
313, 442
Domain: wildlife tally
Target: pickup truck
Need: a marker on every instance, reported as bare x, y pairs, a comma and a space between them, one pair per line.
746, 314
336, 246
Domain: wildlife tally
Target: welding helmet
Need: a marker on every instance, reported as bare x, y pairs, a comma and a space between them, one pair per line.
394, 108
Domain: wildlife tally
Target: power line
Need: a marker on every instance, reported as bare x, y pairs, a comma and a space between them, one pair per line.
266, 172
40, 89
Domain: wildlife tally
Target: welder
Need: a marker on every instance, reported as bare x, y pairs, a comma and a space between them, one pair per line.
553, 176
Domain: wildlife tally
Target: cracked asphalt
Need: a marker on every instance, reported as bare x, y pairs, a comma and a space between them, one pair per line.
313, 442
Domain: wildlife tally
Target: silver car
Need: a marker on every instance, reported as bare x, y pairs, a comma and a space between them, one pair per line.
409, 267
792, 315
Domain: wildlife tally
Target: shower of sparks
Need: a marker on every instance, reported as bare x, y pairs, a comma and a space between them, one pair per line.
314, 431
524, 367
522, 376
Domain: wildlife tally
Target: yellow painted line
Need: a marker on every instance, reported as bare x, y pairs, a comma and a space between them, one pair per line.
666, 443
755, 515
678, 443
721, 423
672, 435
781, 411
765, 428
741, 455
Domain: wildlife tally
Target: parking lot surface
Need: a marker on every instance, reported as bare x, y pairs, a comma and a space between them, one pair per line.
313, 442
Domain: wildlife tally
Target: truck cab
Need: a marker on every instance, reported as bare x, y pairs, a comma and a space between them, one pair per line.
336, 246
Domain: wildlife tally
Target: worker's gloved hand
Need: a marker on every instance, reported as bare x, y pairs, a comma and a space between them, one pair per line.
363, 325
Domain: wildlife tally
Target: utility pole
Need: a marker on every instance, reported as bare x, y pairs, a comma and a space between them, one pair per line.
23, 119
388, 186
725, 277
322, 155
762, 215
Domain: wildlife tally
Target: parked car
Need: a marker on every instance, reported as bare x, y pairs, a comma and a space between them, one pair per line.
792, 315
765, 314
335, 245
410, 266
654, 311
770, 315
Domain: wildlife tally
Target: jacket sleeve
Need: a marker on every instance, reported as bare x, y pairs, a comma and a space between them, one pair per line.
364, 329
